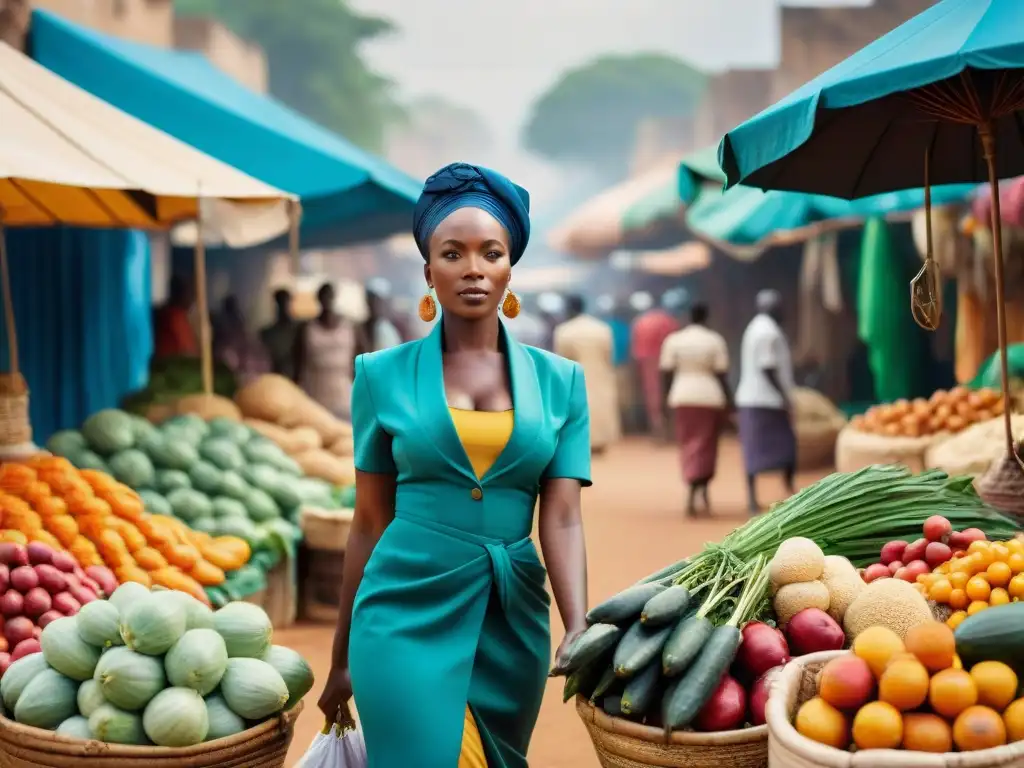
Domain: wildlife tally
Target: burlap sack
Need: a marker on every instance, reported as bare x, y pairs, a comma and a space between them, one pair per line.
973, 451
856, 450
817, 423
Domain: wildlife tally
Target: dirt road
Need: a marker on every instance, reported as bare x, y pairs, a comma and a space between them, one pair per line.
635, 525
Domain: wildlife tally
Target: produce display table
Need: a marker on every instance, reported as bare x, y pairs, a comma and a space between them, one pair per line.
325, 534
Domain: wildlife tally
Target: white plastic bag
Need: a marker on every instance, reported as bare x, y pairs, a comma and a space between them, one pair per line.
338, 745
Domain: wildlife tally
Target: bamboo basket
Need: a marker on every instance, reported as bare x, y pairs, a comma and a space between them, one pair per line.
623, 744
788, 749
264, 746
15, 428
1002, 486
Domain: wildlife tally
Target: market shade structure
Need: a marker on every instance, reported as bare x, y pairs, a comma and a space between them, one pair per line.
347, 194
939, 99
67, 157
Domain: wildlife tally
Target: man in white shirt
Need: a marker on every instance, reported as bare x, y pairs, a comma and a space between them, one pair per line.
762, 397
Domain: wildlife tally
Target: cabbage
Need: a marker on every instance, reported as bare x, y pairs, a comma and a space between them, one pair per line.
253, 688
115, 726
246, 629
293, 669
128, 680
153, 624
176, 717
99, 624
197, 661
67, 652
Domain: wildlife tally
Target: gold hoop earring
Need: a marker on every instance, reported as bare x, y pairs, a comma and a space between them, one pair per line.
511, 305
428, 308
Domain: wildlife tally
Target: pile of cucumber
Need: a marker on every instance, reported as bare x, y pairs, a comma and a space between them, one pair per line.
656, 652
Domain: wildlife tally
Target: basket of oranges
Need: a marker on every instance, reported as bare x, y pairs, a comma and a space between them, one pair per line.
895, 702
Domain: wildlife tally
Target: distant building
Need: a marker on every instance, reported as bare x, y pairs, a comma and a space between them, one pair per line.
731, 97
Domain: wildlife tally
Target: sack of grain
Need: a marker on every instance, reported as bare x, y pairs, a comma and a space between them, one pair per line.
856, 450
309, 413
208, 407
974, 450
268, 398
811, 405
327, 466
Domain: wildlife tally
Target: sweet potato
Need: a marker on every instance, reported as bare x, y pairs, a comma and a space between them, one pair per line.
327, 466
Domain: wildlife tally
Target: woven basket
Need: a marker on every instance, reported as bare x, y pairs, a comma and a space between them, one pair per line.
816, 443
15, 428
1003, 486
264, 746
623, 744
788, 749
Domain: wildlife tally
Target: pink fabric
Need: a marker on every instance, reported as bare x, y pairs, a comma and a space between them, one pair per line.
1011, 202
649, 332
697, 430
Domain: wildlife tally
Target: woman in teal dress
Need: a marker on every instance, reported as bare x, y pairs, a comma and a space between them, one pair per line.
443, 635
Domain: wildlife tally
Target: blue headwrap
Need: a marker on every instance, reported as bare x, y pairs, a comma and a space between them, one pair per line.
461, 185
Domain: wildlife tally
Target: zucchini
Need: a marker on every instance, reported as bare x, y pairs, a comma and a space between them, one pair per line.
582, 681
992, 635
668, 573
688, 695
589, 646
666, 607
612, 705
624, 606
604, 685
638, 647
684, 643
641, 690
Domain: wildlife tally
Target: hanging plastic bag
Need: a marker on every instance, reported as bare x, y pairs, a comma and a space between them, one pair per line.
338, 745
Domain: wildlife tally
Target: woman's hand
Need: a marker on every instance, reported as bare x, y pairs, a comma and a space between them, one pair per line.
337, 693
562, 654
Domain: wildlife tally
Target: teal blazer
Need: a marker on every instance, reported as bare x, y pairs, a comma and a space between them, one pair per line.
453, 607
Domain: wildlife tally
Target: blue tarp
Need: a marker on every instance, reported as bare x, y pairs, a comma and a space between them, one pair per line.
347, 194
82, 308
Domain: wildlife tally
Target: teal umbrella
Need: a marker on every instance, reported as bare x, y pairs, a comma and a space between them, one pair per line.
940, 99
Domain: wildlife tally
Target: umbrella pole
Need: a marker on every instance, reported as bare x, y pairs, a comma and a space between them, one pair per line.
205, 334
988, 145
5, 280
294, 218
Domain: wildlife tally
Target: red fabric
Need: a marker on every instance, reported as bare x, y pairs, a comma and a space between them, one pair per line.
173, 334
697, 430
650, 384
649, 332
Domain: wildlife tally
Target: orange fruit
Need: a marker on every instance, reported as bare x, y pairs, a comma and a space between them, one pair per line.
846, 682
978, 546
821, 722
878, 725
976, 607
926, 733
1000, 552
951, 692
999, 596
1013, 719
904, 684
1017, 586
958, 599
956, 619
978, 588
932, 644
876, 645
957, 664
996, 684
998, 574
1016, 562
978, 728
940, 591
959, 579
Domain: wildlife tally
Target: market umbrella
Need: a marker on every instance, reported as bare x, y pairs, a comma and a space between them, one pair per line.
68, 158
937, 100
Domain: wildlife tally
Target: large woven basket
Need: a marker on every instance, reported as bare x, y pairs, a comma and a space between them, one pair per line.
15, 428
264, 746
1003, 486
788, 749
623, 744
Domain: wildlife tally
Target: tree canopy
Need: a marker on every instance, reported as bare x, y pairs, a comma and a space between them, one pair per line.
312, 49
590, 114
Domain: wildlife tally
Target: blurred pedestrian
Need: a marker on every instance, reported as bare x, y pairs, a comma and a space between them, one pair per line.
234, 346
763, 397
325, 355
529, 328
280, 337
379, 330
173, 331
589, 342
695, 362
650, 329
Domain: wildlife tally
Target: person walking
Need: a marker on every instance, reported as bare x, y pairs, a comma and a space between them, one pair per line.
695, 362
379, 331
589, 342
325, 350
280, 337
443, 629
649, 331
763, 397
234, 346
174, 334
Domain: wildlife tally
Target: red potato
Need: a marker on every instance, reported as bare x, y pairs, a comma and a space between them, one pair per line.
893, 551
726, 708
13, 555
64, 562
50, 579
937, 528
12, 603
5, 662
37, 633
917, 568
91, 585
972, 534
39, 554
25, 648
66, 604
894, 566
761, 649
104, 577
82, 594
937, 553
37, 602
5, 578
813, 630
846, 682
18, 630
24, 579
759, 695
915, 551
49, 616
876, 571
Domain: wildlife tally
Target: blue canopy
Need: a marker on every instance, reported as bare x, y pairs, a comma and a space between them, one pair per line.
745, 217
864, 126
349, 192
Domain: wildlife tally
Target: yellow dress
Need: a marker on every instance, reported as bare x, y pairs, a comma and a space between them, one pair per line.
483, 435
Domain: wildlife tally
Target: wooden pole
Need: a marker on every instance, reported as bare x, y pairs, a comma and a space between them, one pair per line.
5, 280
202, 303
